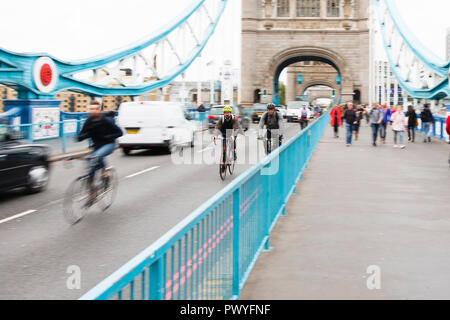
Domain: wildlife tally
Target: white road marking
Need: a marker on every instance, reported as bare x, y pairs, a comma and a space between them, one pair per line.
17, 216
209, 148
141, 172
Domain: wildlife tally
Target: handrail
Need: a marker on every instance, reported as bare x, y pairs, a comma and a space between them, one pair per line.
226, 220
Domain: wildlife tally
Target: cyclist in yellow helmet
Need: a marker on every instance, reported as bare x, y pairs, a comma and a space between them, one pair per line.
228, 126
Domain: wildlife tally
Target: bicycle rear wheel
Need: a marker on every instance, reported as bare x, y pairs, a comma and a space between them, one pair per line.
108, 189
268, 146
75, 200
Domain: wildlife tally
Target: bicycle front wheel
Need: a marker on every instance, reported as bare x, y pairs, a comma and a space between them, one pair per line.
108, 189
231, 162
222, 168
75, 200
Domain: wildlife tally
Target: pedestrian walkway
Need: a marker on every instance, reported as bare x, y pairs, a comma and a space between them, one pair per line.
357, 207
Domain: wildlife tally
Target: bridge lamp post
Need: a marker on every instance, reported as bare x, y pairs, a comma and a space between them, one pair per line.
210, 64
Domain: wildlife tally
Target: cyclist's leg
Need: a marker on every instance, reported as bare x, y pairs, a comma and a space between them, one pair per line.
269, 141
234, 148
224, 150
102, 153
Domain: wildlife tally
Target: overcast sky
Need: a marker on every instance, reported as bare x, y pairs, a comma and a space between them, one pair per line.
79, 29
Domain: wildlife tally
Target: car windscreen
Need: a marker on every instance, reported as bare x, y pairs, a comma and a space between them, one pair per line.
294, 105
151, 116
216, 111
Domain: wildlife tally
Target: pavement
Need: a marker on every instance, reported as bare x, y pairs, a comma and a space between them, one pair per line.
156, 192
362, 215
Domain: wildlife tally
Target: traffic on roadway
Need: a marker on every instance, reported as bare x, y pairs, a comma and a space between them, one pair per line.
153, 187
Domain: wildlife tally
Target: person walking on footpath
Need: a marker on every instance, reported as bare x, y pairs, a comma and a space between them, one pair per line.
359, 112
350, 122
427, 120
447, 127
376, 116
366, 113
399, 125
412, 123
384, 123
336, 120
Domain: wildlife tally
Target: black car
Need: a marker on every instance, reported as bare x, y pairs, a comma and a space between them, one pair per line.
216, 112
22, 164
258, 110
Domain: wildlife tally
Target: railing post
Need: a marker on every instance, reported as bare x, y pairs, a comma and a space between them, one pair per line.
267, 211
155, 283
30, 133
63, 138
434, 127
236, 275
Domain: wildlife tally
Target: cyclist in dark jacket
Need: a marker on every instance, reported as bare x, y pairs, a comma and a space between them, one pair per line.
228, 127
273, 121
103, 132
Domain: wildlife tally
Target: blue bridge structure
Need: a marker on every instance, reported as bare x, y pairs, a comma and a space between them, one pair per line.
211, 253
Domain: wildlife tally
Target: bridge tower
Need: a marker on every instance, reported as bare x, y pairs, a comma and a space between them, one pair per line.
278, 33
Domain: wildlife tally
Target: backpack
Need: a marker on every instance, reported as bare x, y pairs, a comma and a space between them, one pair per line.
267, 115
424, 117
233, 118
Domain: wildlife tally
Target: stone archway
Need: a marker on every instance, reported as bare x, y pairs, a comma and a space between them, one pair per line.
271, 41
319, 82
290, 56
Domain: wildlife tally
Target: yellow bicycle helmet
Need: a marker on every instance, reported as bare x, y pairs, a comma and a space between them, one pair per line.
227, 109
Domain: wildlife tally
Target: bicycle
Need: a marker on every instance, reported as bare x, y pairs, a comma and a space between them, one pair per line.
268, 141
227, 158
83, 193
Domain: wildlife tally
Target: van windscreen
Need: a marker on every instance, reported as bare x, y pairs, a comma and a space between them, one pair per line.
152, 115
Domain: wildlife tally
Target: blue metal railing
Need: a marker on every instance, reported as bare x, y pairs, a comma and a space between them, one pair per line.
36, 132
210, 254
58, 132
437, 128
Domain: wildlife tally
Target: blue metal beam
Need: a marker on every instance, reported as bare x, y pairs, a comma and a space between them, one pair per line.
21, 75
430, 60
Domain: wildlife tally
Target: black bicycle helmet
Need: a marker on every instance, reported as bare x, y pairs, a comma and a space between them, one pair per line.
270, 106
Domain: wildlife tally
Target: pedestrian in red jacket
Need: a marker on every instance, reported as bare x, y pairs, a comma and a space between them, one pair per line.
336, 120
447, 126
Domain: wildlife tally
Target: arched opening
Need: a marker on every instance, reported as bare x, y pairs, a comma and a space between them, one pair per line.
257, 96
298, 77
320, 95
356, 97
308, 57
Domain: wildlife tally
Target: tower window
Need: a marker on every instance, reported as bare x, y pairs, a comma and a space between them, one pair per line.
308, 8
333, 8
283, 8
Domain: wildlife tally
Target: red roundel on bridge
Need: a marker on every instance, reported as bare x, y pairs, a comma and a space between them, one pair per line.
46, 74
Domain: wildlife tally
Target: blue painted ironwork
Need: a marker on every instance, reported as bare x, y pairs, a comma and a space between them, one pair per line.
26, 131
416, 57
209, 255
437, 130
16, 70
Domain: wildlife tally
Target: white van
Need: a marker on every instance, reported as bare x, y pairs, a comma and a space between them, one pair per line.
293, 110
152, 124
